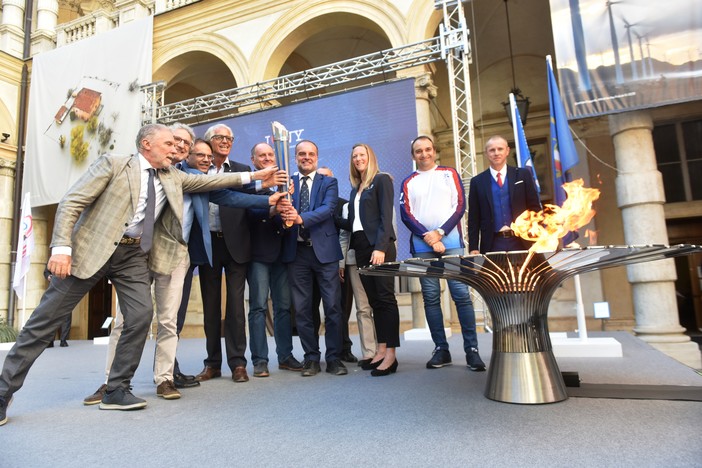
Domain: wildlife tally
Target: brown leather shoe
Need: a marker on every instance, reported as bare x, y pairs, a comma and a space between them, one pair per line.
208, 373
96, 397
167, 390
240, 374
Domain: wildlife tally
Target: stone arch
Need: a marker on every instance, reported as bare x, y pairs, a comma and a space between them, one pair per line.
165, 60
422, 21
287, 32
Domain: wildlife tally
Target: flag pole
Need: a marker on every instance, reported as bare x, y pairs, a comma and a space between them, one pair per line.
23, 313
580, 309
515, 129
565, 144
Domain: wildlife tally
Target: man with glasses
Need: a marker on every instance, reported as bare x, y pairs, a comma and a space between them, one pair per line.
231, 251
122, 219
168, 289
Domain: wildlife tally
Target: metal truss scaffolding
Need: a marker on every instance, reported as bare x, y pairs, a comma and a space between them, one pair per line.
456, 51
452, 45
234, 101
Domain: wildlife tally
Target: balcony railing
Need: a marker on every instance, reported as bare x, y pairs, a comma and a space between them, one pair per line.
86, 26
103, 20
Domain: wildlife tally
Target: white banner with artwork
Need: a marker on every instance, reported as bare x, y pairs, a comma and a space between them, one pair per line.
84, 101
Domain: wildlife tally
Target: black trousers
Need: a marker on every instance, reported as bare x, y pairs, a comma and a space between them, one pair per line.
380, 291
235, 316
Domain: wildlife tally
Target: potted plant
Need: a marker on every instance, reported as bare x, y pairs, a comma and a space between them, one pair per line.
7, 333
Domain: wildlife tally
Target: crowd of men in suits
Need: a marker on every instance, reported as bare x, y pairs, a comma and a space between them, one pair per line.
153, 217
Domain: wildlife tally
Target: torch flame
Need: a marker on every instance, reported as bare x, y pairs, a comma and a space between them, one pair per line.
546, 227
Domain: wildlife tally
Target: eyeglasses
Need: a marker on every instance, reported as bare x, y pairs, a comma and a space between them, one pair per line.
228, 139
185, 142
202, 155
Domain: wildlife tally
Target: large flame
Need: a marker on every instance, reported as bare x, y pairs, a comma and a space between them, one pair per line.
546, 227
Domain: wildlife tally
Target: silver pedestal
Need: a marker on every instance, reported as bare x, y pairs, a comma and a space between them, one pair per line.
517, 288
527, 378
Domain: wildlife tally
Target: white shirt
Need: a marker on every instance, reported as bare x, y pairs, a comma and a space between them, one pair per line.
135, 226
503, 173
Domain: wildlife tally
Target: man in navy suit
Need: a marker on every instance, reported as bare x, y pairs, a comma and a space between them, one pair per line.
268, 274
311, 250
497, 196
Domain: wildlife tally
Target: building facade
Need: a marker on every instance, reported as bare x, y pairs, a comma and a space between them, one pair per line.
644, 162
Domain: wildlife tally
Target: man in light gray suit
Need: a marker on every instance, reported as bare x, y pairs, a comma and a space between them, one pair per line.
102, 229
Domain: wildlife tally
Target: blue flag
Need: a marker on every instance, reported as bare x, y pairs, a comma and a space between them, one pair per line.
562, 146
520, 142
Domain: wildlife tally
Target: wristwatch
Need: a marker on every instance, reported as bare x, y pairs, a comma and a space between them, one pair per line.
441, 232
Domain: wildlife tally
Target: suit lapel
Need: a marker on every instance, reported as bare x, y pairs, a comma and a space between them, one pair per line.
170, 189
134, 178
316, 186
487, 184
511, 180
296, 192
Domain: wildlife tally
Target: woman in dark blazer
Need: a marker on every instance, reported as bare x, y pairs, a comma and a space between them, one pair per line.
373, 238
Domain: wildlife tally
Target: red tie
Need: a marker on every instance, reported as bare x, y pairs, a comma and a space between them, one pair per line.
499, 179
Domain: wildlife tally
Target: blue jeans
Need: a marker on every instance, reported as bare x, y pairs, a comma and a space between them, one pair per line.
265, 277
431, 292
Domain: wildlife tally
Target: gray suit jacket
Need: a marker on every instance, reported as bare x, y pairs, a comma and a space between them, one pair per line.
92, 217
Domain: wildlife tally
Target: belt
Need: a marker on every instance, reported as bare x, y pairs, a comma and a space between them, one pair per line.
219, 234
126, 240
305, 243
505, 234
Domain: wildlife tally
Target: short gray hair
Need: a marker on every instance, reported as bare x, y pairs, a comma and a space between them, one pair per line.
211, 131
187, 128
147, 132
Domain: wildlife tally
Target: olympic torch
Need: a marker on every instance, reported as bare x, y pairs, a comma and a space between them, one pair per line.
281, 139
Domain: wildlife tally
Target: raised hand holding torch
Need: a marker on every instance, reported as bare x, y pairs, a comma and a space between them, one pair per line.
281, 142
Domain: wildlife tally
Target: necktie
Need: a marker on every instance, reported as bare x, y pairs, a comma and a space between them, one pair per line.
147, 235
304, 204
499, 179
304, 195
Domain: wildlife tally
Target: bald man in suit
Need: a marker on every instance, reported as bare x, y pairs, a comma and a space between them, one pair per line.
100, 232
497, 196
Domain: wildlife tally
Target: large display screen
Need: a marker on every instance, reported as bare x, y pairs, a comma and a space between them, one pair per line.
384, 117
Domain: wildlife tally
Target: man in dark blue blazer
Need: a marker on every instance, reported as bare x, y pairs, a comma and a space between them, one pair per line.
311, 250
497, 196
268, 275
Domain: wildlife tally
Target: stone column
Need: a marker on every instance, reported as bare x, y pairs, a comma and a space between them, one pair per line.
640, 196
44, 35
12, 27
424, 91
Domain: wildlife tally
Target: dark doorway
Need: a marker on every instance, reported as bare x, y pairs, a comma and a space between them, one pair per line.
99, 308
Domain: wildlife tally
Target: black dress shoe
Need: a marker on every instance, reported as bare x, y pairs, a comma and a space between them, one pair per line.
336, 367
347, 356
51, 344
364, 362
310, 368
64, 344
383, 372
184, 381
